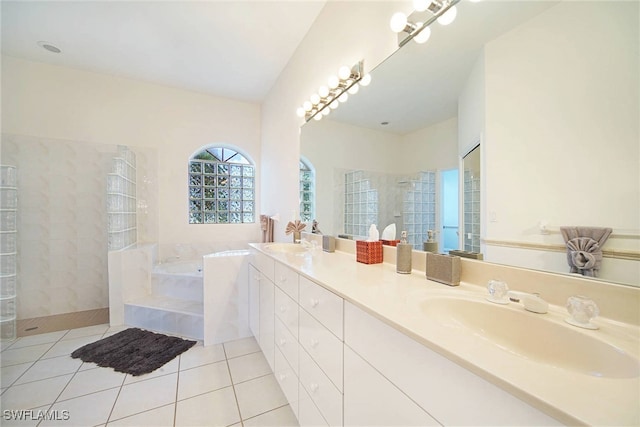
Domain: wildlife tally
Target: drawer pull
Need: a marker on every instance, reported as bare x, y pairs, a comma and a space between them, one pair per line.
314, 302
314, 343
282, 377
314, 387
283, 309
257, 278
283, 341
283, 279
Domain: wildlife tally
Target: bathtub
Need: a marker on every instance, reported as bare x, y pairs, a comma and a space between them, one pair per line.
180, 268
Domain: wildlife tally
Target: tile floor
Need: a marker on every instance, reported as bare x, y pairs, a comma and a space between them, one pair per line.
228, 384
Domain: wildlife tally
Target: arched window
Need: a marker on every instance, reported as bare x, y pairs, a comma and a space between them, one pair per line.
221, 187
307, 191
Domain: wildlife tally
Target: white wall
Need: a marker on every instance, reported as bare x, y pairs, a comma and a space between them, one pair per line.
430, 148
343, 33
56, 102
562, 124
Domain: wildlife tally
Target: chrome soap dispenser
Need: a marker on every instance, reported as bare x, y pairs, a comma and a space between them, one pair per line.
403, 255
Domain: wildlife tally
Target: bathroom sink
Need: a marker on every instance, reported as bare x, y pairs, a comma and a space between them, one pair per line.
286, 248
532, 336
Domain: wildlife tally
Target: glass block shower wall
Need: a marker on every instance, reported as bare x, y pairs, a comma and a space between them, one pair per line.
8, 251
418, 206
471, 212
360, 203
121, 200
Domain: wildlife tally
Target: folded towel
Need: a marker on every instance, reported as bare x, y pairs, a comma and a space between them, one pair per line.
266, 225
584, 253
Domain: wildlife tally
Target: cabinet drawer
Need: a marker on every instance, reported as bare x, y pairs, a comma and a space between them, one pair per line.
287, 311
308, 413
322, 304
287, 280
321, 390
265, 264
323, 347
287, 380
287, 344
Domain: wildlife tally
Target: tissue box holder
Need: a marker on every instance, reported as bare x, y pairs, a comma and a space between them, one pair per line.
443, 268
369, 252
390, 242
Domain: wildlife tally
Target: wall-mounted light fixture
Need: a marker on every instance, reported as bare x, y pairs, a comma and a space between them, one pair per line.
339, 87
444, 11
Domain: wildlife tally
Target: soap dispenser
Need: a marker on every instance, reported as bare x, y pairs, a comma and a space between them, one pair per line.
403, 255
430, 245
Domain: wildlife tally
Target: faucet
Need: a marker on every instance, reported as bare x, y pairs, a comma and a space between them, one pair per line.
531, 302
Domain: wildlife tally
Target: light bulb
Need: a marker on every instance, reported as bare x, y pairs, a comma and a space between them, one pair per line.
366, 79
315, 98
334, 104
448, 17
307, 106
421, 5
423, 35
354, 89
398, 22
343, 97
323, 91
344, 72
333, 82
326, 111
317, 117
300, 112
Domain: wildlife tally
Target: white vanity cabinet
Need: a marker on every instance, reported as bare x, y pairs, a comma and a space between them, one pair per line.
261, 304
444, 390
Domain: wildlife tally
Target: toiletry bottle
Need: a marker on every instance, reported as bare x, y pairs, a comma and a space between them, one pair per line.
430, 245
403, 255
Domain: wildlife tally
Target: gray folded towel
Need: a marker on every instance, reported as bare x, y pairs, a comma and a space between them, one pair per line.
584, 253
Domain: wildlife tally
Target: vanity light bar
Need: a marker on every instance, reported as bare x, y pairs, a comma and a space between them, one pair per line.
337, 90
443, 11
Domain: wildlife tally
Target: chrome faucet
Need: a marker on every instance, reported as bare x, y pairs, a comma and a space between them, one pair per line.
531, 302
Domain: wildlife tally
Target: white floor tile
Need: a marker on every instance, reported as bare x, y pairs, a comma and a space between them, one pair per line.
23, 355
145, 395
200, 355
86, 331
9, 374
34, 394
248, 367
159, 417
280, 417
91, 381
5, 344
49, 337
66, 347
48, 368
258, 396
241, 347
203, 379
217, 408
168, 368
90, 410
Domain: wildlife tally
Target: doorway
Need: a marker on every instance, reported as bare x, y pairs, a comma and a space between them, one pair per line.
449, 181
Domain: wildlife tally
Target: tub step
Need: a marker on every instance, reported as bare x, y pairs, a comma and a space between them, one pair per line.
167, 315
177, 287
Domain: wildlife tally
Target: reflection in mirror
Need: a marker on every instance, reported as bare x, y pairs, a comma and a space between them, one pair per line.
552, 90
471, 202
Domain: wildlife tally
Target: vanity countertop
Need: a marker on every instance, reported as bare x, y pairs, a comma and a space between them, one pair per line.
571, 397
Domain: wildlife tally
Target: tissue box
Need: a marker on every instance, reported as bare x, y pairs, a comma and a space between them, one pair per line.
443, 268
390, 242
369, 252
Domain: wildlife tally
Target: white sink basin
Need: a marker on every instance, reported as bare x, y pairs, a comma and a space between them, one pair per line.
533, 336
286, 248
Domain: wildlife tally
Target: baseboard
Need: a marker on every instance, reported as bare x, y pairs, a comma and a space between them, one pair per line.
60, 322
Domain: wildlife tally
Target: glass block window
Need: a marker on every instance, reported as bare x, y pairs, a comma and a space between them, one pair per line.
307, 192
221, 187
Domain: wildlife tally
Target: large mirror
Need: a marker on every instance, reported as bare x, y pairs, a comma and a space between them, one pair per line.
547, 90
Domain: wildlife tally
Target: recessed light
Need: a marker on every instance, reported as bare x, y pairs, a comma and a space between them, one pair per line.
48, 46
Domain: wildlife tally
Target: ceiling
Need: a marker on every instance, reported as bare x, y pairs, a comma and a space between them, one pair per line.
419, 84
233, 49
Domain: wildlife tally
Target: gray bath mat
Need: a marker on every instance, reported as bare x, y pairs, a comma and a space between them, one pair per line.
133, 351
